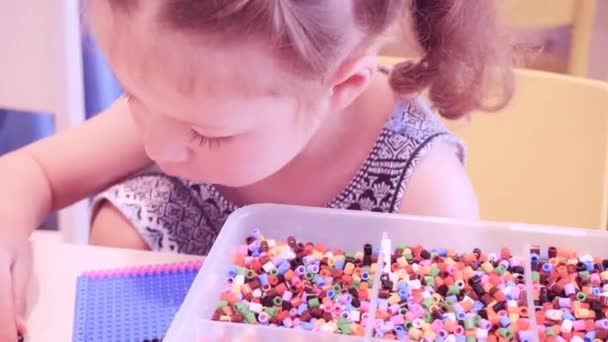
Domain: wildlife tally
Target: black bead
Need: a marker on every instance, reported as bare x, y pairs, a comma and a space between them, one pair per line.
580, 266
544, 295
424, 254
367, 260
387, 285
534, 266
286, 306
483, 313
477, 252
517, 269
443, 290
353, 292
367, 249
476, 279
499, 306
605, 263
355, 303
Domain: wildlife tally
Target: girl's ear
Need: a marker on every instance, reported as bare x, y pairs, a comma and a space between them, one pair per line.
350, 80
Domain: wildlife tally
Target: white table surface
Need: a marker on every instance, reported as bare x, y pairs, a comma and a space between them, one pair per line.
56, 267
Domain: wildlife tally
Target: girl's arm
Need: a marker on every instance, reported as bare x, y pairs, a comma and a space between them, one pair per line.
440, 187
62, 169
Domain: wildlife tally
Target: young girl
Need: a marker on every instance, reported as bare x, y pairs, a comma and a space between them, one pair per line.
236, 102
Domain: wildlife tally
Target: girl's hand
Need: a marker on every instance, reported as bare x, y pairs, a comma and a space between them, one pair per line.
15, 270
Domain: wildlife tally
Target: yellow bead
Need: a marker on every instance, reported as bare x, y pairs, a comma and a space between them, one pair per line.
402, 261
394, 299
349, 268
487, 267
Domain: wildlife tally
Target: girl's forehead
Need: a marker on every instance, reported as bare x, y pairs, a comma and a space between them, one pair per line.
141, 52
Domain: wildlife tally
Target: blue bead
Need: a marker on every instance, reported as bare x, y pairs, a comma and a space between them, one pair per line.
284, 267
504, 321
340, 264
461, 338
596, 291
590, 336
232, 271
534, 257
331, 294
589, 266
255, 253
568, 316
303, 307
307, 326
263, 279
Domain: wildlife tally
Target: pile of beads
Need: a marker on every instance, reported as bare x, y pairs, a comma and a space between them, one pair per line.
438, 295
570, 295
299, 285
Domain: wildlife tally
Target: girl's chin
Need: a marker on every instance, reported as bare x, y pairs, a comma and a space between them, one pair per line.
227, 180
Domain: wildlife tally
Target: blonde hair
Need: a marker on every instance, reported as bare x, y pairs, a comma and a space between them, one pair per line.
466, 64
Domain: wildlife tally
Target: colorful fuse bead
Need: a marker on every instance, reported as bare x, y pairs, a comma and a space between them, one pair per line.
299, 285
438, 295
570, 294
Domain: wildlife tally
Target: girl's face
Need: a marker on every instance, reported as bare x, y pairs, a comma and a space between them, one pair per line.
214, 113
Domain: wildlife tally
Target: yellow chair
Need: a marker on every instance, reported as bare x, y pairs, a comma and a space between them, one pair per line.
547, 14
543, 159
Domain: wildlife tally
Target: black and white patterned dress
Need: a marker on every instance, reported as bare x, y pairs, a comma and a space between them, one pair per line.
174, 214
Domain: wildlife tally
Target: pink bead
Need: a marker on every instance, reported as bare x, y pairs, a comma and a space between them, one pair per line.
296, 322
410, 316
459, 330
485, 279
295, 280
242, 250
595, 279
397, 319
364, 306
437, 325
579, 325
364, 318
450, 269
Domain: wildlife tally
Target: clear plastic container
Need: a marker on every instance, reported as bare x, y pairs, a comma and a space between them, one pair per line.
349, 230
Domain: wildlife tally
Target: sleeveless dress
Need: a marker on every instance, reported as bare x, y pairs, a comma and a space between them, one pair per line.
176, 215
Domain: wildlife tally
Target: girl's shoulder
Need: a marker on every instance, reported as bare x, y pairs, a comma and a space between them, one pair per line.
413, 123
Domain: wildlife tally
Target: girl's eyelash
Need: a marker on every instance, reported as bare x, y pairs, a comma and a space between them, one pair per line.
129, 97
203, 140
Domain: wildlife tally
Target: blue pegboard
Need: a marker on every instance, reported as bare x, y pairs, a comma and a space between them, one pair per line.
130, 304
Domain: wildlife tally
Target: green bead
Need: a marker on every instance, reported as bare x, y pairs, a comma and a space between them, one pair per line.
427, 302
251, 274
370, 283
221, 304
349, 255
506, 333
239, 307
469, 324
476, 320
550, 332
337, 288
271, 311
581, 297
309, 275
400, 246
357, 284
402, 311
429, 281
314, 302
250, 317
500, 270
454, 290
408, 325
408, 256
435, 271
584, 274
428, 317
241, 271
278, 301
471, 339
535, 276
